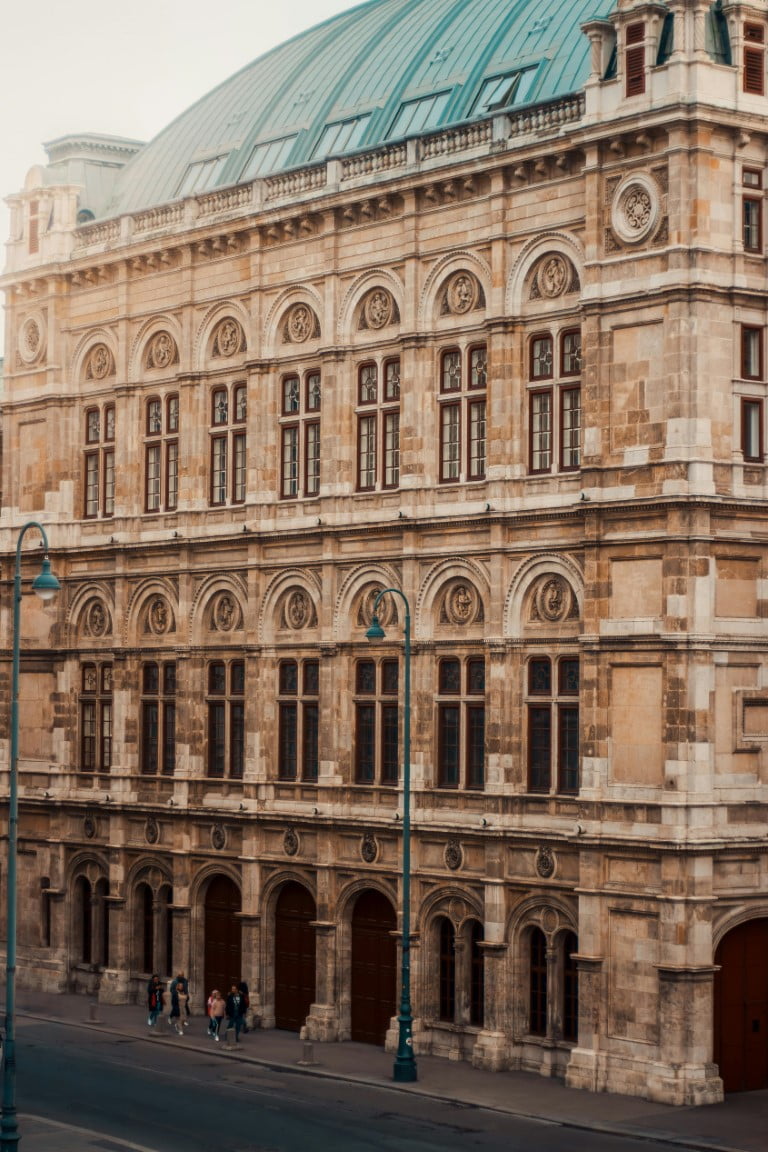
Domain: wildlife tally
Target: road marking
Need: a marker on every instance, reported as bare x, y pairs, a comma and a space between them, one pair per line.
90, 1132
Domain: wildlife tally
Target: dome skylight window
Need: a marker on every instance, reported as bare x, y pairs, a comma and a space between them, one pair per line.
268, 157
418, 115
341, 136
201, 175
502, 91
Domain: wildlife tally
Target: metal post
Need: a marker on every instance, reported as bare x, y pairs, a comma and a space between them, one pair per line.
9, 1131
405, 1071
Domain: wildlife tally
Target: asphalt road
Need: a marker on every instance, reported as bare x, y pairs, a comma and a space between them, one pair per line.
172, 1100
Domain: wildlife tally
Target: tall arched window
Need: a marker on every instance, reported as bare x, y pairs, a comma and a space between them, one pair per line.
537, 1021
476, 975
83, 914
145, 909
570, 988
447, 970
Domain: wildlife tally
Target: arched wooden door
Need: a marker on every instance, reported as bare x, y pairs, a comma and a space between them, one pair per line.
294, 956
741, 1007
223, 960
374, 968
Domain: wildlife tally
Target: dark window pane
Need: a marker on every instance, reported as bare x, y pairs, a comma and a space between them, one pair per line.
539, 749
216, 740
149, 738
537, 1023
570, 988
447, 971
289, 678
476, 678
568, 766
475, 746
217, 679
236, 741
365, 746
389, 676
365, 680
169, 679
288, 747
540, 678
169, 739
569, 677
89, 678
151, 680
238, 678
310, 755
477, 976
448, 745
311, 677
389, 744
450, 678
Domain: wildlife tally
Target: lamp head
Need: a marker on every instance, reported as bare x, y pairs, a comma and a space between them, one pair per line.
45, 584
375, 632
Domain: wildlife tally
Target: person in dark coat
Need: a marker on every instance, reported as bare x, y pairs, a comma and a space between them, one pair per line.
235, 1013
154, 1000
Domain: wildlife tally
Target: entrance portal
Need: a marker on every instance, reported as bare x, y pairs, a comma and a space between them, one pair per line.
223, 961
294, 957
741, 1007
374, 968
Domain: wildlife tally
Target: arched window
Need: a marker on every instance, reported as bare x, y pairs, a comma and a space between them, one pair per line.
83, 914
447, 970
476, 975
146, 912
537, 1019
570, 988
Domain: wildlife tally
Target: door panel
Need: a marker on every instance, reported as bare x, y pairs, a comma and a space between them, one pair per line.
294, 957
374, 968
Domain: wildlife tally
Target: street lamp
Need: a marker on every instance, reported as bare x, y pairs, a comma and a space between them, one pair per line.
45, 585
405, 1061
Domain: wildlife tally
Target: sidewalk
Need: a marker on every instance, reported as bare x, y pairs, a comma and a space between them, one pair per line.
738, 1125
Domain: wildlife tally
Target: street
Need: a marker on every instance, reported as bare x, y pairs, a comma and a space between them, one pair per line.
170, 1099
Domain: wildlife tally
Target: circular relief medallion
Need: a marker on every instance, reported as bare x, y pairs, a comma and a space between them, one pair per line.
369, 848
457, 910
151, 831
553, 599
453, 855
384, 610
545, 862
162, 351
89, 827
218, 837
462, 293
291, 842
99, 362
96, 619
300, 323
461, 604
224, 613
553, 276
298, 609
636, 209
228, 338
549, 920
31, 339
378, 309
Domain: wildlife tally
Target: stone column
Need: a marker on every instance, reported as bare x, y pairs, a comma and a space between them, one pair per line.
491, 1050
586, 1067
685, 1073
250, 934
323, 1020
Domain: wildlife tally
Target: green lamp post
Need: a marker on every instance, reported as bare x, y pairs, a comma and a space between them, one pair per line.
45, 585
405, 1062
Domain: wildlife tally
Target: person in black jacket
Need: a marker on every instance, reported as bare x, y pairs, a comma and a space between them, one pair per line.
235, 1013
154, 1000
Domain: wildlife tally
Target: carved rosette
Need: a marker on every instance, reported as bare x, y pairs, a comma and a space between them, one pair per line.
301, 324
97, 620
386, 610
369, 848
225, 615
218, 837
453, 855
545, 862
462, 294
100, 363
636, 209
228, 338
379, 309
162, 351
159, 617
151, 831
291, 842
32, 339
553, 601
461, 605
299, 610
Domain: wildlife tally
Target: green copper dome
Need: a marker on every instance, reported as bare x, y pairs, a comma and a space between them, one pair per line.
377, 73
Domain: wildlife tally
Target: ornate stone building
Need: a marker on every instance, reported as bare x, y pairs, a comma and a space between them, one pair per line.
465, 300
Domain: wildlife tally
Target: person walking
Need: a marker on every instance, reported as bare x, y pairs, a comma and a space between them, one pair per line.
218, 1012
243, 987
235, 1013
180, 986
174, 1017
154, 1000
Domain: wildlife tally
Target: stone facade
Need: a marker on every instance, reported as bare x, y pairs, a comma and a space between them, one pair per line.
518, 374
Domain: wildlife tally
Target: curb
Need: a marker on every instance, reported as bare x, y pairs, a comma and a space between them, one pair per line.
301, 1068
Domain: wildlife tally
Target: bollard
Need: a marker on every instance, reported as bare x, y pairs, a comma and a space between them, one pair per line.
94, 1012
308, 1059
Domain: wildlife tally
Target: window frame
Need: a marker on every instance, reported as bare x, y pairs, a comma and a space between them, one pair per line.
459, 713
379, 704
552, 706
298, 708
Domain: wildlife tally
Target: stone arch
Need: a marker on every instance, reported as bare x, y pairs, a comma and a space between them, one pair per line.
524, 580
77, 616
198, 885
440, 274
436, 583
561, 244
140, 603
142, 340
438, 903
148, 870
204, 601
278, 589
348, 622
85, 346
347, 322
201, 348
531, 913
273, 344
733, 917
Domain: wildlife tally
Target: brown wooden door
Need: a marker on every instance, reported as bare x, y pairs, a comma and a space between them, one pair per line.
223, 960
374, 968
741, 1008
294, 957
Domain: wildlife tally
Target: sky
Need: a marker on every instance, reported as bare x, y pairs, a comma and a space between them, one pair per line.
123, 68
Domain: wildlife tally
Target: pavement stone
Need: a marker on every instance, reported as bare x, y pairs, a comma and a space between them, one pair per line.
740, 1124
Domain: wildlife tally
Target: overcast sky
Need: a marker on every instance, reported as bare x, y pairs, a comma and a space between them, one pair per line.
124, 68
